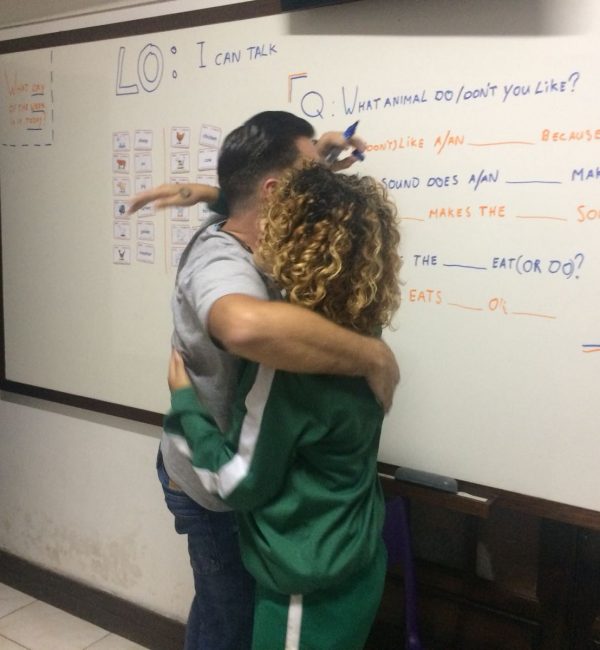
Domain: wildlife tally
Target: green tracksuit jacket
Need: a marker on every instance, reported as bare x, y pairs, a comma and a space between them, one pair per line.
299, 465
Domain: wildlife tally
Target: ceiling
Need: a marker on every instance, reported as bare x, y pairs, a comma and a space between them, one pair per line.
24, 12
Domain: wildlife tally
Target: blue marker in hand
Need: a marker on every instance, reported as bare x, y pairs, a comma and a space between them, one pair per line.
333, 155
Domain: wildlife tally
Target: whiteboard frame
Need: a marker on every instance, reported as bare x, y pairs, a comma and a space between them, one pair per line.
222, 14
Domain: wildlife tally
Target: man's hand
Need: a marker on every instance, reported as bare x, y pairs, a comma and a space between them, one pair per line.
174, 195
336, 140
384, 375
177, 377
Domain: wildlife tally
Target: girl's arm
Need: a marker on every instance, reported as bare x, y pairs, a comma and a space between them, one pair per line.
246, 466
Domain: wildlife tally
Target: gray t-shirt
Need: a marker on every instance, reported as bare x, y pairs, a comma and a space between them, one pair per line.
213, 265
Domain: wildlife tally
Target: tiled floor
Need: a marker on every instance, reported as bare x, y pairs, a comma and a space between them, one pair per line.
34, 625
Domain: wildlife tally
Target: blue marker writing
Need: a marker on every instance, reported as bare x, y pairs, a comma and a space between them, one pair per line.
333, 155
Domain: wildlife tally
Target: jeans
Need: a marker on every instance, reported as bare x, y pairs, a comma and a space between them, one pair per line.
222, 610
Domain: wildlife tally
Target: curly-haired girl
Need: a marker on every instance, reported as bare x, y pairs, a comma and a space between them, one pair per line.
299, 462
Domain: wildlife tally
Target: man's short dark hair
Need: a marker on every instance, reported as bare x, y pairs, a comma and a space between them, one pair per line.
265, 143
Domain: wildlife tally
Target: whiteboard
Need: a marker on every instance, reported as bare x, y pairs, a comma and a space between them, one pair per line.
483, 124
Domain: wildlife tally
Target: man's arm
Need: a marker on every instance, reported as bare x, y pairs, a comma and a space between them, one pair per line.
174, 195
185, 194
288, 337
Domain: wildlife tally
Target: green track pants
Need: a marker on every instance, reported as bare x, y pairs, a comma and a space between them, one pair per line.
339, 618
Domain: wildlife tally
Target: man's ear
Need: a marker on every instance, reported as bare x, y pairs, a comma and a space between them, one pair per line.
269, 185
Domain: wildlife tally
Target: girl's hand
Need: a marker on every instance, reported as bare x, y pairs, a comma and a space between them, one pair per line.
177, 377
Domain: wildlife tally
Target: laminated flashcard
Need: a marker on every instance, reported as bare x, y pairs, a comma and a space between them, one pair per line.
121, 186
210, 136
121, 141
180, 213
180, 234
176, 252
121, 254
121, 229
142, 162
121, 163
180, 162
119, 209
207, 179
203, 212
145, 230
145, 253
142, 183
146, 211
142, 140
179, 180
207, 159
180, 136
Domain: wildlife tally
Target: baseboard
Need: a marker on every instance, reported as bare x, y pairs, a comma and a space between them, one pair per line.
112, 613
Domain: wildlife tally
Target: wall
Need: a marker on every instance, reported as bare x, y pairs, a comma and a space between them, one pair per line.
79, 496
78, 490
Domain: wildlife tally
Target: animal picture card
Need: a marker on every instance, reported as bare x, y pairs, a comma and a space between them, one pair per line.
121, 254
180, 136
122, 230
120, 163
121, 141
180, 162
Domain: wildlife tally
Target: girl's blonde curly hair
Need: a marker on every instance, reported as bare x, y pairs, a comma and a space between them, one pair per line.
330, 241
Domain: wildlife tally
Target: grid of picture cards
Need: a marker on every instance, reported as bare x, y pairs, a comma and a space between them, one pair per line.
138, 238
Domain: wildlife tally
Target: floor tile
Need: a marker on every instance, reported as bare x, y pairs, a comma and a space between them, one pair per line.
40, 626
114, 642
7, 644
11, 600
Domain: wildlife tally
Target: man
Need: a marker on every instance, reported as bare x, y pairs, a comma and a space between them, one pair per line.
225, 309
